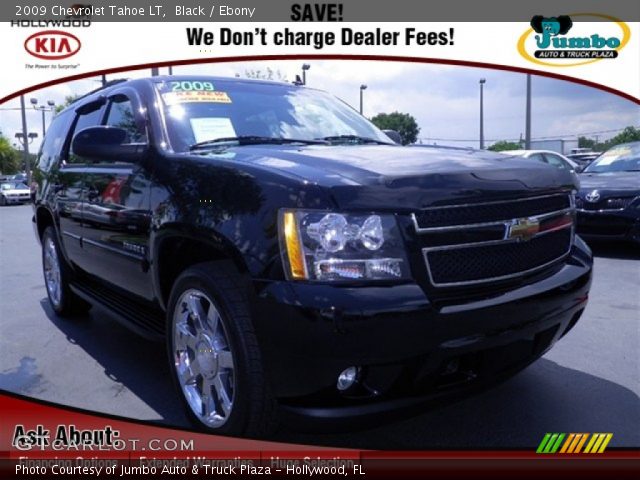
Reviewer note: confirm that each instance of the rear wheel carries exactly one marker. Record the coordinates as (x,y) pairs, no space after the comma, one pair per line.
(57,276)
(214,354)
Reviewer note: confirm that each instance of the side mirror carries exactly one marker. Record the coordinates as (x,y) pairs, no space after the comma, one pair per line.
(393,135)
(107,143)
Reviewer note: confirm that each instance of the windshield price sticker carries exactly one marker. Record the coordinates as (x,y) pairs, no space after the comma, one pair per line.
(211,127)
(177,97)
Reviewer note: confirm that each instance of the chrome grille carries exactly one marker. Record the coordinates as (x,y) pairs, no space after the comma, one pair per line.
(464,215)
(492,246)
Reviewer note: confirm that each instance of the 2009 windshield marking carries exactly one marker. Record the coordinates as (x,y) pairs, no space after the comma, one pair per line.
(189,86)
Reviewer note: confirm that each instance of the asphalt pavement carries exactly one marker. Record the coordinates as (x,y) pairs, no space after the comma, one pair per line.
(589,382)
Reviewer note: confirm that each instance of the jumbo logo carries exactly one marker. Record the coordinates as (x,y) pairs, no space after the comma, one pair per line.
(561,42)
(52,45)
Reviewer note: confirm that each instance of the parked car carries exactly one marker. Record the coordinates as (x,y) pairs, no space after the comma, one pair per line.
(584,159)
(547,156)
(293,258)
(14,192)
(609,198)
(20,177)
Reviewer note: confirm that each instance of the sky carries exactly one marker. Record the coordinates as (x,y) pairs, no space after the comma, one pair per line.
(444,99)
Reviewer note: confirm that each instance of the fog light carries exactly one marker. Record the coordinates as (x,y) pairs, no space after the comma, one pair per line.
(347,378)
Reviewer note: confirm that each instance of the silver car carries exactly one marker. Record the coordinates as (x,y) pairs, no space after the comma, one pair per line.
(14,192)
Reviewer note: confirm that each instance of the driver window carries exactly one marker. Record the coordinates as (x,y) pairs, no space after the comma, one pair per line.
(537,157)
(121,115)
(84,120)
(555,161)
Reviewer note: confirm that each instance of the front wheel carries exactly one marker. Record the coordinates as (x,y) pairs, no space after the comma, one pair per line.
(57,276)
(214,354)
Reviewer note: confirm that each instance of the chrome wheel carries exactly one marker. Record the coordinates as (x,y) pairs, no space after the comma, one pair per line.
(203,358)
(51,266)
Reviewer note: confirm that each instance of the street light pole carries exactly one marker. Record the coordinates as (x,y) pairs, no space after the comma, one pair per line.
(43,109)
(482,82)
(362,89)
(25,142)
(305,67)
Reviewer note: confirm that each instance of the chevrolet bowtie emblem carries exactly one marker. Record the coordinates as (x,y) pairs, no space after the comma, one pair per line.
(523,229)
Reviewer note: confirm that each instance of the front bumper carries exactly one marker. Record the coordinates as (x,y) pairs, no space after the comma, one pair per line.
(406,345)
(11,199)
(609,225)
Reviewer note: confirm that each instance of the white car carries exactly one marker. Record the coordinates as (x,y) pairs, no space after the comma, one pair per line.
(547,156)
(14,192)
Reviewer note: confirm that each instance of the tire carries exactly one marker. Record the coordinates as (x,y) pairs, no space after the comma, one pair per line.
(216,364)
(57,276)
(3,201)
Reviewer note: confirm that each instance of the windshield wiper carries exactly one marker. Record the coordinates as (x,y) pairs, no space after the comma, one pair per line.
(354,139)
(254,140)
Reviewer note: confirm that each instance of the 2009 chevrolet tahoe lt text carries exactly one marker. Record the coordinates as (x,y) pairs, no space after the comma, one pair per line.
(295,260)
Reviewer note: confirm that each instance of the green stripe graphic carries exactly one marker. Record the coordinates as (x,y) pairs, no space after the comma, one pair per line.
(551,443)
(544,441)
(555,448)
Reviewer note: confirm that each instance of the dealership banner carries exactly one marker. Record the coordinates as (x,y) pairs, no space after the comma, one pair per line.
(44,441)
(260,266)
(52,40)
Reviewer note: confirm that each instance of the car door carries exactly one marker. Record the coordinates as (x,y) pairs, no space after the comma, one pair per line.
(66,182)
(116,212)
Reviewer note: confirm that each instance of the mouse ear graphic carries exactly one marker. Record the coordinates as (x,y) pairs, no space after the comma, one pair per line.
(565,24)
(536,23)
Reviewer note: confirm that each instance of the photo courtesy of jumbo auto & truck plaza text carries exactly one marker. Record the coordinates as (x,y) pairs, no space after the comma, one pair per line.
(352,238)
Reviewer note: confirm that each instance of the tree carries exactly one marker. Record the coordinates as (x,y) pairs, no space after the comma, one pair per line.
(503,145)
(9,157)
(629,134)
(584,142)
(403,123)
(68,100)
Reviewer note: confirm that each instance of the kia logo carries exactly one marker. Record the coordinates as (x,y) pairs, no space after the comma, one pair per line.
(593,196)
(52,45)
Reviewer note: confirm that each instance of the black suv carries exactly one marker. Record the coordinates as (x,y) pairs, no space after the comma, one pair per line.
(294,258)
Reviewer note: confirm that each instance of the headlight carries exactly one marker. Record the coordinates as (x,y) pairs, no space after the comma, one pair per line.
(327,246)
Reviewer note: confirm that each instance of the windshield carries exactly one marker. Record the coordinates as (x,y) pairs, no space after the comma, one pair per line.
(13,186)
(204,110)
(622,158)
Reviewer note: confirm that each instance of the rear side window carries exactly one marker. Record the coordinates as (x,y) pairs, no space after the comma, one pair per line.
(54,140)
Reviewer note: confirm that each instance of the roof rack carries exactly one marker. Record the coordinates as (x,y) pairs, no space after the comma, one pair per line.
(108,84)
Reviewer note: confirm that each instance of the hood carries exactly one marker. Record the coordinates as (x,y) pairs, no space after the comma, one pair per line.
(614,181)
(395,177)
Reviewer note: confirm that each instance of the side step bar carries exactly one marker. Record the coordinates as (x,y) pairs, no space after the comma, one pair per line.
(145,321)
